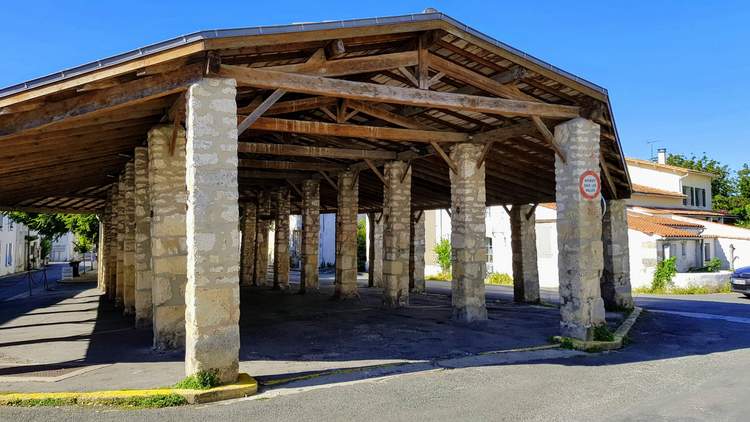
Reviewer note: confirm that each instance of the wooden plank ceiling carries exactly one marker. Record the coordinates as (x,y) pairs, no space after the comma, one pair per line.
(310,107)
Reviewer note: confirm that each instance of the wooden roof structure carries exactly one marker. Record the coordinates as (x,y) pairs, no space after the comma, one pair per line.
(313,99)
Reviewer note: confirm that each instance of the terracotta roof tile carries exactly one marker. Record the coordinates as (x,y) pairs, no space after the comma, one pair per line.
(648,190)
(664,227)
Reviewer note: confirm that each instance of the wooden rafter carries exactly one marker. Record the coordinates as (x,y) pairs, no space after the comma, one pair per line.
(262,108)
(316,85)
(271,124)
(308,151)
(318,65)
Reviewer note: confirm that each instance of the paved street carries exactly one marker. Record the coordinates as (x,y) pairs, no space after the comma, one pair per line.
(687,362)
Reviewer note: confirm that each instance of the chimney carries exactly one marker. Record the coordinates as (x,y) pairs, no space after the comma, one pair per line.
(661,156)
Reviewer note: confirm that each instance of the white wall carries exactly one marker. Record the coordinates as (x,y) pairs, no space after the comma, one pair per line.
(699,181)
(327,251)
(62,248)
(12,246)
(655,201)
(643,258)
(663,180)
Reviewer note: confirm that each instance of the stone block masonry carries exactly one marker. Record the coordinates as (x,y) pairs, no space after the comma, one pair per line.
(212,295)
(376,224)
(396,229)
(168,197)
(523,244)
(346,236)
(247,256)
(261,240)
(309,275)
(143,274)
(615,281)
(112,244)
(281,239)
(416,253)
(128,258)
(121,219)
(579,228)
(468,249)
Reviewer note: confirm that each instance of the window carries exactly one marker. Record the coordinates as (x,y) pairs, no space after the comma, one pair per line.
(706,251)
(683,245)
(488,243)
(686,192)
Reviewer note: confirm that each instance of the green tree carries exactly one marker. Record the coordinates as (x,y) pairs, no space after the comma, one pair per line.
(723,184)
(361,245)
(443,252)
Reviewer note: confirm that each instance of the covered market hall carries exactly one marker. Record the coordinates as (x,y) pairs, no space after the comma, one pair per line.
(188,150)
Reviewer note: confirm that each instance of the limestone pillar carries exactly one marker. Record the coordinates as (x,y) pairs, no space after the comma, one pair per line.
(168,197)
(370,249)
(105,250)
(261,240)
(523,245)
(346,236)
(121,219)
(112,244)
(396,240)
(309,276)
(128,258)
(579,228)
(468,248)
(281,240)
(615,281)
(143,275)
(100,256)
(212,295)
(377,253)
(248,226)
(416,253)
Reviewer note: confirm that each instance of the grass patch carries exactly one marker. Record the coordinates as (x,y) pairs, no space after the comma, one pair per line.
(441,276)
(203,380)
(603,333)
(499,279)
(689,290)
(150,402)
(566,343)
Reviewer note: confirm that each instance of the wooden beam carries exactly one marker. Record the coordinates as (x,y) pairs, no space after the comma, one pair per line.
(444,156)
(486,150)
(316,85)
(423,74)
(294,106)
(134,92)
(271,124)
(607,174)
(262,108)
(504,133)
(317,152)
(548,136)
(386,115)
(321,67)
(328,179)
(287,165)
(376,171)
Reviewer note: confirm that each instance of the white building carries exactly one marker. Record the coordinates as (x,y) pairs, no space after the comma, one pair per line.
(670,214)
(16,247)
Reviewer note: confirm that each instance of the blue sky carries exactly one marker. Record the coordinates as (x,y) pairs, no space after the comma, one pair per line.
(677,71)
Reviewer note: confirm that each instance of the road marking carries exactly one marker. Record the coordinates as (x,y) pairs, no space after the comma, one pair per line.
(699,315)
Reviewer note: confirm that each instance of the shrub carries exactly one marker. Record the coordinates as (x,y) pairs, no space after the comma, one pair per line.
(665,271)
(602,333)
(499,279)
(361,245)
(442,276)
(203,380)
(443,251)
(714,265)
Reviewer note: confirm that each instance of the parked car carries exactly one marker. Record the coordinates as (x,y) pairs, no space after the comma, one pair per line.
(741,281)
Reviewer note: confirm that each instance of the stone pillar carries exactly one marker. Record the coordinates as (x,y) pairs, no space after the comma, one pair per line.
(121,219)
(309,276)
(615,281)
(468,244)
(370,249)
(579,228)
(346,236)
(416,253)
(261,240)
(247,256)
(168,197)
(143,275)
(112,243)
(396,240)
(212,295)
(128,259)
(281,240)
(523,244)
(105,225)
(377,256)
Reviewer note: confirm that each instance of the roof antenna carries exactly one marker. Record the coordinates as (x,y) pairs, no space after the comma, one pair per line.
(652,157)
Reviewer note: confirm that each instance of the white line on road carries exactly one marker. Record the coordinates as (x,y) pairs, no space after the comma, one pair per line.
(699,315)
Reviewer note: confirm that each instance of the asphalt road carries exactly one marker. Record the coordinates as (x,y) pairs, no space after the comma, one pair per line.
(18,284)
(684,364)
